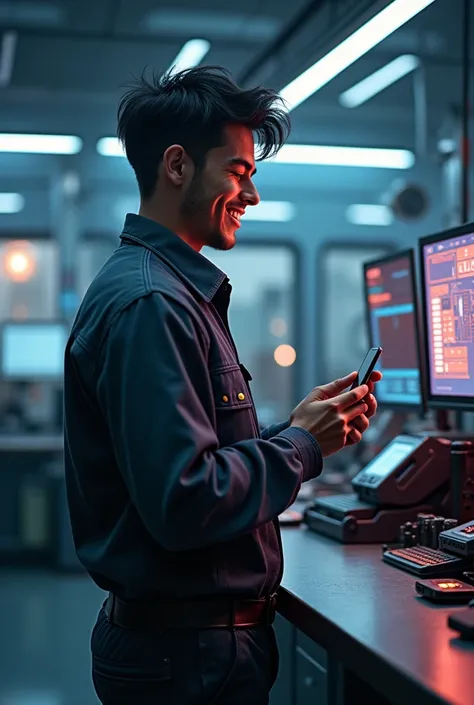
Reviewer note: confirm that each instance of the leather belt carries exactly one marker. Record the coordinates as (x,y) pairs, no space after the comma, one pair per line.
(198,614)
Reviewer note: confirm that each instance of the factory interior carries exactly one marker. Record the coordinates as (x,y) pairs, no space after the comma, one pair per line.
(363,239)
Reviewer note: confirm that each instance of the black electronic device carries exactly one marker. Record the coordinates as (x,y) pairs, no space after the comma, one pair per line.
(447,287)
(367,367)
(445,590)
(392,316)
(463,622)
(424,561)
(458,539)
(411,475)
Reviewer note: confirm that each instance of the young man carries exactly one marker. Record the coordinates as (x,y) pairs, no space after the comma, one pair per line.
(174,491)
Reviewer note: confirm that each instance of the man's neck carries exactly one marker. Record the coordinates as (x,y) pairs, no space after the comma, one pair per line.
(160,217)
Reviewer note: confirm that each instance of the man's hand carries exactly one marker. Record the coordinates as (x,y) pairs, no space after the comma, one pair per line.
(361,423)
(334,418)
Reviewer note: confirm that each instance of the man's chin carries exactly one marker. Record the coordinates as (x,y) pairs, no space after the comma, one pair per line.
(222,241)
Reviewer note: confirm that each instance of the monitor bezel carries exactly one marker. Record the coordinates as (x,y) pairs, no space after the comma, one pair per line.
(439,401)
(410,254)
(31,322)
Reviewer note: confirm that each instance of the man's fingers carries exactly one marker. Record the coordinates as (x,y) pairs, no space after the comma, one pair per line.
(354,411)
(353,437)
(361,423)
(352,397)
(371,402)
(339,385)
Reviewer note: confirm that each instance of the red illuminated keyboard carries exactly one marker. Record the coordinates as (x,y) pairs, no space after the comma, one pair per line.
(424,561)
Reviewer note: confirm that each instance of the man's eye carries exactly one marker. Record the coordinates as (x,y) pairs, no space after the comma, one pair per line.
(236,173)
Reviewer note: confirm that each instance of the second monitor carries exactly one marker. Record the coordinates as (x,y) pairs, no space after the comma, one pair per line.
(390,295)
(447,269)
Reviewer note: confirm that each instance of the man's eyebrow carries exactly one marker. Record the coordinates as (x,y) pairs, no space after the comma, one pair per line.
(244,163)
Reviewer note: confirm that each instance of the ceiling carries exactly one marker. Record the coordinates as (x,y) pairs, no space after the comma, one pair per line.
(73,59)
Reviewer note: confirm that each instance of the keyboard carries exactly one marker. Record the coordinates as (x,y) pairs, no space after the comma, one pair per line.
(424,561)
(340,505)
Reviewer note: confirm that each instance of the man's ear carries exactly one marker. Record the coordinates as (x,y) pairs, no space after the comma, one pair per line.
(176,165)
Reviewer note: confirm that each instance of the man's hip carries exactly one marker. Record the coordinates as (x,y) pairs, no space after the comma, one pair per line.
(183,666)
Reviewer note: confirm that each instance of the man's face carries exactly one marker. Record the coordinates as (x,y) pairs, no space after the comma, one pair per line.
(219,194)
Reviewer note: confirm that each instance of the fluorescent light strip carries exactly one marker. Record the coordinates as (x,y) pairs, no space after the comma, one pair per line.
(110,147)
(322,155)
(271,212)
(191,54)
(40,144)
(11,202)
(347,52)
(325,155)
(369,214)
(378,81)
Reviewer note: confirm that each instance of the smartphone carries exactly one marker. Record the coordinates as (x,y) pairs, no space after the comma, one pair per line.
(463,622)
(367,367)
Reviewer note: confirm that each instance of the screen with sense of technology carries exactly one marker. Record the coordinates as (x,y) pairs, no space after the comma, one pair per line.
(392,321)
(389,459)
(449,295)
(32,350)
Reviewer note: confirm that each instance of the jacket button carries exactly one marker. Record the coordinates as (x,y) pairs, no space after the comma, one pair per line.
(225,398)
(241,396)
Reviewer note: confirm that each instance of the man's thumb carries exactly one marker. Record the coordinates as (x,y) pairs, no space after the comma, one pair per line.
(327,391)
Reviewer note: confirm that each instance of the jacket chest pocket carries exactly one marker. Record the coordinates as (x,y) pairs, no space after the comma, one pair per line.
(233,405)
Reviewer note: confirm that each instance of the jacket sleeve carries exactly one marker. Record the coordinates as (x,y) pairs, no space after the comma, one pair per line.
(268,432)
(154,389)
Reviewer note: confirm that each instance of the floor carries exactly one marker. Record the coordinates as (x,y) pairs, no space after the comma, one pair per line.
(45,625)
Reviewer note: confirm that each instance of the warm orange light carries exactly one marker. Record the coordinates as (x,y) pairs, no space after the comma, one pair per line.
(284,355)
(19,263)
(278,327)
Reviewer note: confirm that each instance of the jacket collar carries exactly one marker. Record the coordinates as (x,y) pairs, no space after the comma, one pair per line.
(203,276)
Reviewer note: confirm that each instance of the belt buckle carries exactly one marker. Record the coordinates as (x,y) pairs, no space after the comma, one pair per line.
(271,608)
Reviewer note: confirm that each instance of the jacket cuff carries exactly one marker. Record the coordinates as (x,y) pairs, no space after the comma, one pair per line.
(273,430)
(308,448)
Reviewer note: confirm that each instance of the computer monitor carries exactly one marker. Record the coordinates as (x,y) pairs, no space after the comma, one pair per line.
(32,350)
(390,297)
(447,279)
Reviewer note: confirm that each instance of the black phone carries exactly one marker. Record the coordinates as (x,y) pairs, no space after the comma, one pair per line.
(463,622)
(367,367)
(445,590)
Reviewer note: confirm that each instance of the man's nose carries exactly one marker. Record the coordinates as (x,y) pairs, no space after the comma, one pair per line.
(250,195)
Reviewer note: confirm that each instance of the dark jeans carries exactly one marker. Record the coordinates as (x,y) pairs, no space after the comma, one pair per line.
(183,667)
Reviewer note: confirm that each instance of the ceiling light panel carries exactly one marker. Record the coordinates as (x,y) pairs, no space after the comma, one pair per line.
(213,25)
(382,25)
(40,144)
(378,81)
(190,55)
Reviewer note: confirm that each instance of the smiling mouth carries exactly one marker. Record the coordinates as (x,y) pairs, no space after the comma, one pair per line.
(235,215)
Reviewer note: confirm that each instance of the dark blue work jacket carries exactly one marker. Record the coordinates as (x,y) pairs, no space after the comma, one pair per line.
(173,490)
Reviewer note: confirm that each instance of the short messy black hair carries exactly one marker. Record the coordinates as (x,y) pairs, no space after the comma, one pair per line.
(192,108)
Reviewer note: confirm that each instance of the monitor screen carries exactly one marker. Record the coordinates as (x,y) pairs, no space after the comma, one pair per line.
(33,350)
(389,459)
(448,283)
(390,301)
